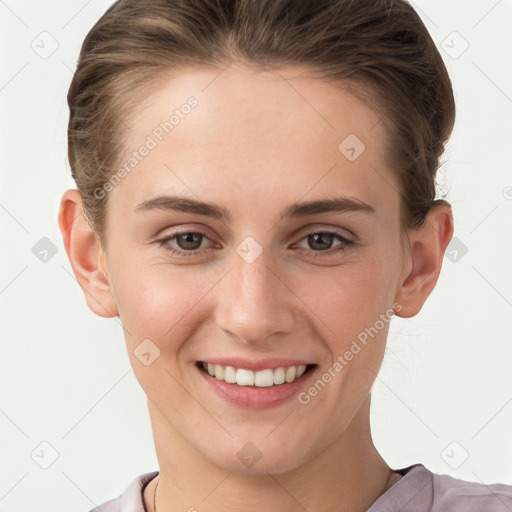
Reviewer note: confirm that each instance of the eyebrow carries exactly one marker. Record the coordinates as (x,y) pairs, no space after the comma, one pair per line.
(293,211)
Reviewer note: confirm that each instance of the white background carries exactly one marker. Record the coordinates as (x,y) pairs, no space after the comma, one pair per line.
(445,389)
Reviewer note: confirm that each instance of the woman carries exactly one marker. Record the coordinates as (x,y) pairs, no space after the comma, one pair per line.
(256,200)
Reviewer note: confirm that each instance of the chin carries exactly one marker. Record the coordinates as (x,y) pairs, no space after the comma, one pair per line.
(251,460)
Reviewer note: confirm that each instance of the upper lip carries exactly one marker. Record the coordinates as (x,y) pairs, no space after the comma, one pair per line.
(256,365)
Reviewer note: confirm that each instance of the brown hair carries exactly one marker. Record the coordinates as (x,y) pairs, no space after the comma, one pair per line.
(382,44)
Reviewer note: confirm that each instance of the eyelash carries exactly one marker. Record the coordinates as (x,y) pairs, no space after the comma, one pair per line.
(344,246)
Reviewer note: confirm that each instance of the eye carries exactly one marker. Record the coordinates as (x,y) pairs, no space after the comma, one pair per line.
(322,243)
(316,244)
(185,243)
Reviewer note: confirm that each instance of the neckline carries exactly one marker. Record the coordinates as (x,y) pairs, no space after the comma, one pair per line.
(392,497)
(414,479)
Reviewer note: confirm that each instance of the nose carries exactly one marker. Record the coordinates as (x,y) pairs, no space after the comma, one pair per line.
(254,302)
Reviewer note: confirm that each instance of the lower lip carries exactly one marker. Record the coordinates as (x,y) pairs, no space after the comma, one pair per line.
(253,397)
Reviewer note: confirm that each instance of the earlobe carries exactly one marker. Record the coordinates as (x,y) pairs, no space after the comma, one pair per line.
(427,248)
(86,256)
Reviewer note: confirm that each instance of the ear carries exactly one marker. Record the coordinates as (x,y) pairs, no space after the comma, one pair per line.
(86,256)
(425,259)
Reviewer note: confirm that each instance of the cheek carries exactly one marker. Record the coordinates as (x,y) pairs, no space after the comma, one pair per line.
(164,306)
(159,303)
(351,309)
(348,299)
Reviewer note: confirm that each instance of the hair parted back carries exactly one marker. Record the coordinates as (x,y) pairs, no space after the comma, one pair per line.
(382,44)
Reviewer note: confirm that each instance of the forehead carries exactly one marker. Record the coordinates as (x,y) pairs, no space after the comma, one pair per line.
(221,133)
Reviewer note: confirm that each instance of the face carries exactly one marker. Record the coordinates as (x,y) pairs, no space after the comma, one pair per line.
(267,274)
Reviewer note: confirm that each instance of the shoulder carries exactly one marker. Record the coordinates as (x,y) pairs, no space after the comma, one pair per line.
(453,494)
(131,499)
(420,490)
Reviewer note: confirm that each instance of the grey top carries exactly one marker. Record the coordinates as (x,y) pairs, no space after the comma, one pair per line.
(419,490)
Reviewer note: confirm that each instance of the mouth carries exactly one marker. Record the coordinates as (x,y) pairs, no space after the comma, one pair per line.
(263,378)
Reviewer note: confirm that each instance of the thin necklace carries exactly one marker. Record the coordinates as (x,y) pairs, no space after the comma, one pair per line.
(391,474)
(390,478)
(154,496)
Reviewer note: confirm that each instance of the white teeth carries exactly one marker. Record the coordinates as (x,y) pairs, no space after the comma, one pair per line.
(219,372)
(279,376)
(244,377)
(290,374)
(262,379)
(230,374)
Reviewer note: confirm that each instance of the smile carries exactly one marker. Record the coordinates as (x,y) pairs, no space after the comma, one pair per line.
(262,379)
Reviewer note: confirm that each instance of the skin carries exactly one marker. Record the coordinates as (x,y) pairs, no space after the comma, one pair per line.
(255,143)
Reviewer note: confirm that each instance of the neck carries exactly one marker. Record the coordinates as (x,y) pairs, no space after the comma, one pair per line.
(346,477)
